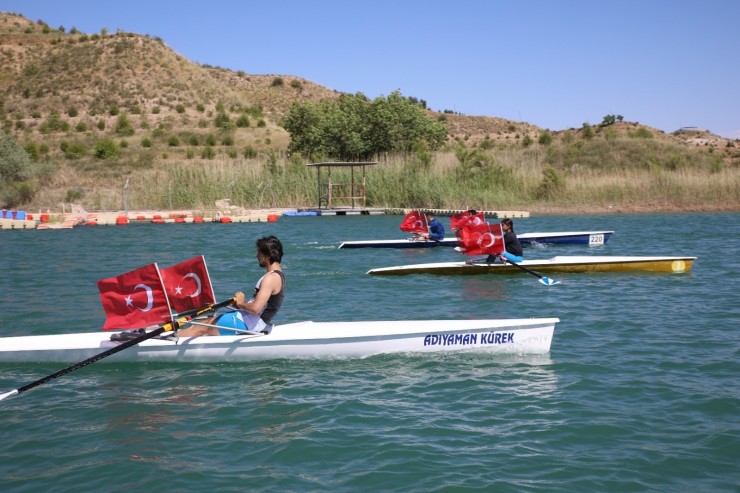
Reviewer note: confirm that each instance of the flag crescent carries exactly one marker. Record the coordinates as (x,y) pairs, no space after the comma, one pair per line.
(493,240)
(197,281)
(149,297)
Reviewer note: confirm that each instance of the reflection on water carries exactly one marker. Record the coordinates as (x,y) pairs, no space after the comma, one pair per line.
(485,288)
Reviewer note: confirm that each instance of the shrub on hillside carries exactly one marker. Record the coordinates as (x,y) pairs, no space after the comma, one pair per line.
(551,183)
(107,149)
(74,149)
(208,153)
(124,126)
(250,152)
(54,123)
(640,133)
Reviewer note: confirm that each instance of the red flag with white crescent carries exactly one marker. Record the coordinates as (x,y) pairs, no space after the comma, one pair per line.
(414,222)
(458,220)
(188,284)
(481,239)
(135,299)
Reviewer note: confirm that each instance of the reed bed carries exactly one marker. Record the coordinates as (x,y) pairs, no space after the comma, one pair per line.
(590,177)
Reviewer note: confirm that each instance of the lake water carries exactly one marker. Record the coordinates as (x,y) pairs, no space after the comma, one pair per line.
(640,392)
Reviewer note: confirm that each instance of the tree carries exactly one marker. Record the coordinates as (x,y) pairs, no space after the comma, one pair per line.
(353,127)
(15,163)
(15,167)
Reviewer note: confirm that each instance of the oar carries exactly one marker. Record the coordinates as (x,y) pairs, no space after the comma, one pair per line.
(544,280)
(167,327)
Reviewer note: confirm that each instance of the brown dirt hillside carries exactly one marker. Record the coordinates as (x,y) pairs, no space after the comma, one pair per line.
(63,92)
(86,77)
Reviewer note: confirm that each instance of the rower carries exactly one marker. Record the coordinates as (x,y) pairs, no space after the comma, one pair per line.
(256,314)
(513,249)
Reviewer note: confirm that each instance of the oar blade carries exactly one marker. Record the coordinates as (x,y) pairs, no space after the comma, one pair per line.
(547,281)
(165,327)
(8,394)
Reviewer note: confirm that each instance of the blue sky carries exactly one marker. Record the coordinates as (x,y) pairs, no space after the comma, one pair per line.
(556,64)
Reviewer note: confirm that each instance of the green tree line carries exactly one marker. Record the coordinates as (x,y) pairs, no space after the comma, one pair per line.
(354,128)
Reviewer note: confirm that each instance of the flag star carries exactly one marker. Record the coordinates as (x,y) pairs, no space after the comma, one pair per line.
(129,300)
(178,290)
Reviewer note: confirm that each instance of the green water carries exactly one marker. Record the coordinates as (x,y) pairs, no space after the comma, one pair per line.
(639,393)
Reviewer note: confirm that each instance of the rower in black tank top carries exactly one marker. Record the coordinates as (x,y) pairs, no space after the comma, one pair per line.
(275,301)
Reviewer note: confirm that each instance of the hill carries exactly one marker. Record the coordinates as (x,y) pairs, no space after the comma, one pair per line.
(61,93)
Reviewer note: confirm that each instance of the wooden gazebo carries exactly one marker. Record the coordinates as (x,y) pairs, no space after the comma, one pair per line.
(353,192)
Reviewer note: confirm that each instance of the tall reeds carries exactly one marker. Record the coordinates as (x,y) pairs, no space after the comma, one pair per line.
(578,176)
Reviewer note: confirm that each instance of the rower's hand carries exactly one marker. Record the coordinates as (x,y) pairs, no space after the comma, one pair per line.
(239,298)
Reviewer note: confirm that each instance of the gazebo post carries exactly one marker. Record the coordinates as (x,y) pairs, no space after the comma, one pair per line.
(352,185)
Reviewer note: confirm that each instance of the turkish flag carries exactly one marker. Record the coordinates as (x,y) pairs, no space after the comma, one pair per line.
(458,220)
(135,299)
(414,222)
(188,285)
(481,239)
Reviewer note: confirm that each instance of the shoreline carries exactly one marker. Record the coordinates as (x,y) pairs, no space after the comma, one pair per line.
(67,220)
(586,210)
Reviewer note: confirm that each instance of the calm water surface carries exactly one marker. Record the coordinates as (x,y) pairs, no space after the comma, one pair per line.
(640,392)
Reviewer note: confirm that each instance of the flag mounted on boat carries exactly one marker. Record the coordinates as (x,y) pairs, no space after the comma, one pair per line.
(461,218)
(135,299)
(481,239)
(188,284)
(414,222)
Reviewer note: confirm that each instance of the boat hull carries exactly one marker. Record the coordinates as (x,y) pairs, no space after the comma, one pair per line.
(304,340)
(590,238)
(566,264)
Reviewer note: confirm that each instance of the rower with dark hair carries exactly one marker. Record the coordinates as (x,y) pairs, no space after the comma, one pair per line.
(512,248)
(436,232)
(256,314)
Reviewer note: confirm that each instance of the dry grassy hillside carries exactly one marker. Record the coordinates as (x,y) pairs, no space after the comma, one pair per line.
(46,71)
(83,77)
(63,92)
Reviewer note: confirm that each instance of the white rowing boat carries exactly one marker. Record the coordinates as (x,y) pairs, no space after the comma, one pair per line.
(303,340)
(590,238)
